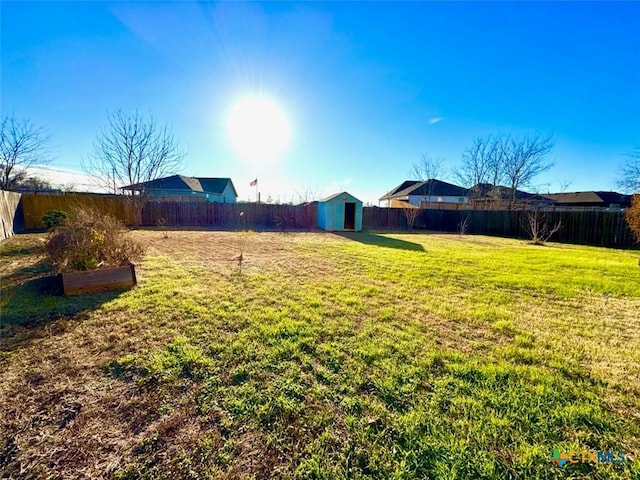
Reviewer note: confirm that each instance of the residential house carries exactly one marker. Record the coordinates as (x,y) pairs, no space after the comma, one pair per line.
(589,200)
(498,197)
(430,193)
(220,190)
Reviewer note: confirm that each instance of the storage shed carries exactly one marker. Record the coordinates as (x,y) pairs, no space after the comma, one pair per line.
(340,212)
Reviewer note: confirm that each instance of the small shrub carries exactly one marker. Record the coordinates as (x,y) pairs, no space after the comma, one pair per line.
(54,218)
(632,215)
(463,226)
(538,227)
(411,212)
(89,239)
(284,220)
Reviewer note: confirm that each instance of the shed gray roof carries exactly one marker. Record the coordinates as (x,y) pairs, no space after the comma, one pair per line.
(335,195)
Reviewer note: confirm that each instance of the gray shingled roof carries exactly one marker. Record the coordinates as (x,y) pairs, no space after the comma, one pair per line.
(500,191)
(403,186)
(430,187)
(592,197)
(216,185)
(182,182)
(331,197)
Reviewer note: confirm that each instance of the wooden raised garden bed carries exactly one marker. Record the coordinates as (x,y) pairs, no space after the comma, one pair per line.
(99,280)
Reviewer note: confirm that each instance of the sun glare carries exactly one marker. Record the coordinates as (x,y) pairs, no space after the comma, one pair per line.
(259,130)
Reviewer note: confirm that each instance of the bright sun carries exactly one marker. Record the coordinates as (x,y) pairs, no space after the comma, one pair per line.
(259,129)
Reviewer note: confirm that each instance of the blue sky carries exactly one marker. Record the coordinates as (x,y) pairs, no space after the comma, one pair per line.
(367,87)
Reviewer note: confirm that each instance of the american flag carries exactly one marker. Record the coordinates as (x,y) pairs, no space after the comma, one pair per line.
(254,183)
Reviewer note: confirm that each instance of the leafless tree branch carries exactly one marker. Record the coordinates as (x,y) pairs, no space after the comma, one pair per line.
(131,150)
(306,193)
(22,145)
(411,213)
(481,163)
(524,159)
(630,181)
(427,168)
(538,228)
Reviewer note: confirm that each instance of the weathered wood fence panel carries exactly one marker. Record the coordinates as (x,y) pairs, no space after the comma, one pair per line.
(9,202)
(175,213)
(230,215)
(36,205)
(607,229)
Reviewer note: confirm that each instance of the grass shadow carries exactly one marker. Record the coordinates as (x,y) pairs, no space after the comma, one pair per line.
(368,238)
(20,251)
(35,302)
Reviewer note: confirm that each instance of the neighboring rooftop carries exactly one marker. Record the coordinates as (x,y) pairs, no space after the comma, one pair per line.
(403,186)
(592,198)
(502,192)
(429,187)
(182,182)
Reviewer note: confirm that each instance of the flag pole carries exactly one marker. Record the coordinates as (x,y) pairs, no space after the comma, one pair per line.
(254,183)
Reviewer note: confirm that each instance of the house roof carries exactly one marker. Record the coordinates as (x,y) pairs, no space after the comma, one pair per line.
(430,187)
(182,182)
(216,185)
(403,186)
(501,192)
(174,182)
(592,197)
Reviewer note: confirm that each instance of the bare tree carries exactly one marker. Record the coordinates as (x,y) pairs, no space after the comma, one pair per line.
(523,160)
(538,227)
(564,185)
(463,225)
(130,151)
(22,145)
(307,193)
(411,213)
(69,187)
(630,181)
(478,163)
(482,166)
(427,168)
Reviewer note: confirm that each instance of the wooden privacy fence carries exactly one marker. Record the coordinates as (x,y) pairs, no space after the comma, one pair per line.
(607,229)
(230,215)
(175,213)
(9,202)
(598,228)
(36,205)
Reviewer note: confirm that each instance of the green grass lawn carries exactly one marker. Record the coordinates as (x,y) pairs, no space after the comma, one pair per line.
(324,356)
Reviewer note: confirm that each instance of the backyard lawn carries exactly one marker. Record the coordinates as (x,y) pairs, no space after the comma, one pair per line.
(324,356)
